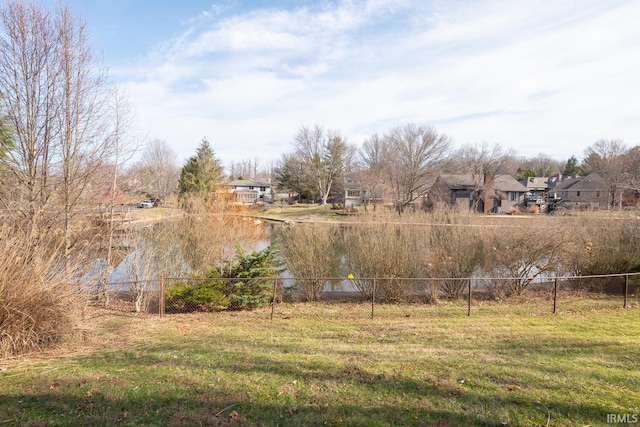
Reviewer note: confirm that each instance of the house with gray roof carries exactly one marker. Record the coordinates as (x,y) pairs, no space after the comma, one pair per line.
(478,193)
(589,191)
(248,191)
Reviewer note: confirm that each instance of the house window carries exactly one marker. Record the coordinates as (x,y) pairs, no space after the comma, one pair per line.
(597,194)
(577,194)
(263,188)
(250,188)
(353,193)
(512,196)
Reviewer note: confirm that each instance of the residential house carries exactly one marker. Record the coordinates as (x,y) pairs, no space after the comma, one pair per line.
(483,194)
(589,191)
(353,192)
(536,185)
(249,191)
(358,190)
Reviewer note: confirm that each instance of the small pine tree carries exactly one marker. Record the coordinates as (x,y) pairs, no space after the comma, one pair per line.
(201,174)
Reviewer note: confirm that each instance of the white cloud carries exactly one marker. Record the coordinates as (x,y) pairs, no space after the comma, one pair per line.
(539,76)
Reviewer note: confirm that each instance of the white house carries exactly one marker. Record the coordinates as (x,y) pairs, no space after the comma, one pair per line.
(251,191)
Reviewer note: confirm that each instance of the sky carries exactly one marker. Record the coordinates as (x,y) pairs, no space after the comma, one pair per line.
(537,76)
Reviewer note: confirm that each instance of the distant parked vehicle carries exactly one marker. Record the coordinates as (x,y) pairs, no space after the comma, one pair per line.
(145,204)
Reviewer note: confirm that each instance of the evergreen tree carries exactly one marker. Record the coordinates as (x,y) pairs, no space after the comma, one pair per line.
(201,174)
(572,167)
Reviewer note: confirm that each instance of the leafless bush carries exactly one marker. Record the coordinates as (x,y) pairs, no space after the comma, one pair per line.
(37,304)
(603,246)
(391,252)
(209,241)
(456,252)
(311,251)
(524,254)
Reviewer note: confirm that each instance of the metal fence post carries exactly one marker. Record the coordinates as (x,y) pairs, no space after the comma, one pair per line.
(161,297)
(273,300)
(555,293)
(373,297)
(626,289)
(469,296)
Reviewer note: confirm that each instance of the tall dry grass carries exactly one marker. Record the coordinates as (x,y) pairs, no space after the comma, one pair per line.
(38,306)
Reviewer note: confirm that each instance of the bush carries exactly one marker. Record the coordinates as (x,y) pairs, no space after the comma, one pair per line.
(244,284)
(205,296)
(454,253)
(395,253)
(604,246)
(312,251)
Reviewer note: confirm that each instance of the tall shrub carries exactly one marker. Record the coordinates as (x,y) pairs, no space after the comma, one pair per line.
(522,255)
(456,252)
(395,253)
(604,246)
(312,254)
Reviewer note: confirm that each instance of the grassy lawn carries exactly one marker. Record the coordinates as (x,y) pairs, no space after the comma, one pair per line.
(330,364)
(301,211)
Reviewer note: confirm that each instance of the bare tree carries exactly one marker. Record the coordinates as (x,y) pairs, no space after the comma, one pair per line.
(157,170)
(540,165)
(371,175)
(82,144)
(413,156)
(607,158)
(483,162)
(247,169)
(323,153)
(120,132)
(52,94)
(29,70)
(633,166)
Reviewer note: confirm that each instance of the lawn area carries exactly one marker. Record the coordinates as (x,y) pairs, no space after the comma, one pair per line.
(331,364)
(302,212)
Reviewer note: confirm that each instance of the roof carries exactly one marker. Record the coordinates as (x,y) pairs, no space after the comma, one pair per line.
(508,183)
(536,182)
(467,182)
(457,181)
(591,181)
(249,183)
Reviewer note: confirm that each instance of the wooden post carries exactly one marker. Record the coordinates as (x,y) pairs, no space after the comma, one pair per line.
(555,293)
(469,296)
(626,289)
(373,297)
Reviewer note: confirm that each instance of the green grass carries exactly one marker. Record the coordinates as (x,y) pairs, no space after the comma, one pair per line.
(297,211)
(331,364)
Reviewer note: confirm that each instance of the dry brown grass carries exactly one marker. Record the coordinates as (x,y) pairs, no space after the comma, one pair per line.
(37,306)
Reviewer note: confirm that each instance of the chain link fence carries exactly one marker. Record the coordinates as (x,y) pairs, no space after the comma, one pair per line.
(187,295)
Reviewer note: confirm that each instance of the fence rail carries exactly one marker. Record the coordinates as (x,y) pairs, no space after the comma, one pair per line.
(182,294)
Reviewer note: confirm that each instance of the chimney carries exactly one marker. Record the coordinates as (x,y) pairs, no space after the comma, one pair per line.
(488,194)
